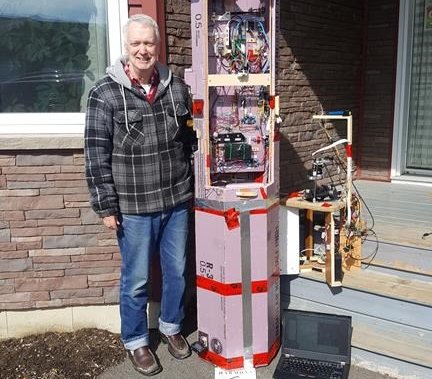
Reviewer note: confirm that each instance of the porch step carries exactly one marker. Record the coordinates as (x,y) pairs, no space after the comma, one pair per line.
(400,212)
(391,314)
(398,258)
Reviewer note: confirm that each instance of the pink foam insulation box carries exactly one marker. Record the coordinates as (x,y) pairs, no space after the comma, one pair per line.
(222,301)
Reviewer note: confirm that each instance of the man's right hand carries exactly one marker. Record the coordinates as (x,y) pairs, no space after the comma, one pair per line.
(111,222)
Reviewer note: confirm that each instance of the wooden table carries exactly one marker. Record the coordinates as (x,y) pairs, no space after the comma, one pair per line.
(333,272)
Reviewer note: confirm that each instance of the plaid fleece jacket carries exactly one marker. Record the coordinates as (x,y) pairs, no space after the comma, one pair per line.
(135,151)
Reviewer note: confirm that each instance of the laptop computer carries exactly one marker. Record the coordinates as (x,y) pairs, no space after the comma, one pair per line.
(314,345)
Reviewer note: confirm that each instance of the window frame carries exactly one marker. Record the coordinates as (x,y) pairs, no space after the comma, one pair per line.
(68,123)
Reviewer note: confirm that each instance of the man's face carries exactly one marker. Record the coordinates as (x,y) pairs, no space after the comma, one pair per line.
(142,48)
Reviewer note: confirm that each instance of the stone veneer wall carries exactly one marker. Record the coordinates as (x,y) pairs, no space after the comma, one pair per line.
(54,251)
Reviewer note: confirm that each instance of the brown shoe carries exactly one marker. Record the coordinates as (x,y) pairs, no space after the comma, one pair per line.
(144,361)
(177,345)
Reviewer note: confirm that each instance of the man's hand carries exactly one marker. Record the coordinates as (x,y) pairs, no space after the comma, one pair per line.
(111,222)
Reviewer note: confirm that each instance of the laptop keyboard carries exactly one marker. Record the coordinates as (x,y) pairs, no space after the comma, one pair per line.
(310,368)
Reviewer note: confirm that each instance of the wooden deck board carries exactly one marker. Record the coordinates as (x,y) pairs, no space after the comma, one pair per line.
(399,258)
(410,290)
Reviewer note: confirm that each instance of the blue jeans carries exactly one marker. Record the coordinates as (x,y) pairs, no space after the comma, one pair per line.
(140,237)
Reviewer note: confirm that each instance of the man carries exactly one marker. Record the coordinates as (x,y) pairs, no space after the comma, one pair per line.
(139,178)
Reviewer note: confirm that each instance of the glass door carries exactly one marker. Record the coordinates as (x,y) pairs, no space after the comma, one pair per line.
(418,159)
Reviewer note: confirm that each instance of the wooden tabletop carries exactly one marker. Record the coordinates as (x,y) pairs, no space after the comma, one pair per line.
(319,206)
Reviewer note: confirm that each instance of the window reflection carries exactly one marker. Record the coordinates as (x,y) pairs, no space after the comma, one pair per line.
(51,52)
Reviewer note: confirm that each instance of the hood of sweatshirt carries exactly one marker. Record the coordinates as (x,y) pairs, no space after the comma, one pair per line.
(117,73)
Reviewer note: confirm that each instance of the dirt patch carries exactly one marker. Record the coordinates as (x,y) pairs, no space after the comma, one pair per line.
(82,354)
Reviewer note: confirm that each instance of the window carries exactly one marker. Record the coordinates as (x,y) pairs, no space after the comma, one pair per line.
(51,53)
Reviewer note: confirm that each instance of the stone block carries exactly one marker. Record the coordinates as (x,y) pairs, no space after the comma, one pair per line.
(48,304)
(107,242)
(13,254)
(83,301)
(49,284)
(86,229)
(16,306)
(76,197)
(30,245)
(104,277)
(65,176)
(39,231)
(77,204)
(23,224)
(32,170)
(56,252)
(5,235)
(13,265)
(60,191)
(102,249)
(15,297)
(12,215)
(51,213)
(6,288)
(53,266)
(69,183)
(89,270)
(25,177)
(7,161)
(53,242)
(59,222)
(76,293)
(48,274)
(19,193)
(7,246)
(60,259)
(99,264)
(111,294)
(70,169)
(89,217)
(43,160)
(92,257)
(32,203)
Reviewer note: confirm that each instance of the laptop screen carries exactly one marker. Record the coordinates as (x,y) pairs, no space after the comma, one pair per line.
(318,333)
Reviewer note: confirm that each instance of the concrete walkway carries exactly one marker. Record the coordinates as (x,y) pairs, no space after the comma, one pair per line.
(195,368)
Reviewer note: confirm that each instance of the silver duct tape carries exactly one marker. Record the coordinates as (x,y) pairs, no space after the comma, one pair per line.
(246,285)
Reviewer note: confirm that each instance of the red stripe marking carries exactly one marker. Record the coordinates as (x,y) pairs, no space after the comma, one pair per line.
(263,193)
(259,179)
(260,286)
(231,289)
(260,359)
(263,210)
(223,213)
(224,289)
(218,360)
(348,149)
(264,359)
